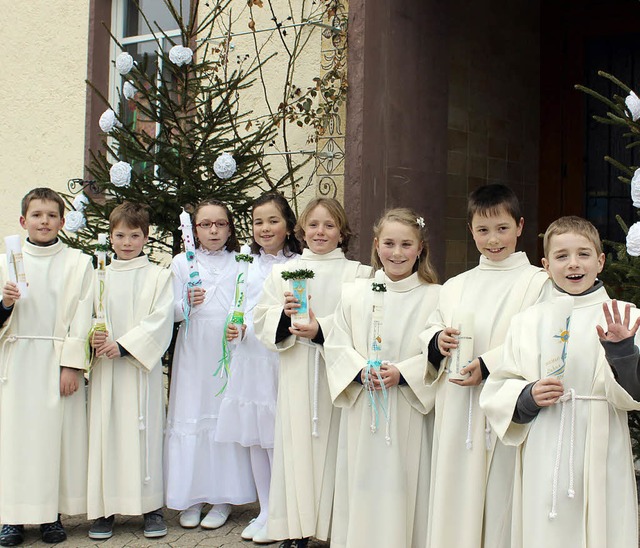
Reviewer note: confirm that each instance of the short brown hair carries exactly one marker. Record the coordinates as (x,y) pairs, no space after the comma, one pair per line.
(131,215)
(408,217)
(44,194)
(338,214)
(575,225)
(490,199)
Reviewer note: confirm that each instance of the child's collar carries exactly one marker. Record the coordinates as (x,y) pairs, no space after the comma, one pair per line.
(52,242)
(596,285)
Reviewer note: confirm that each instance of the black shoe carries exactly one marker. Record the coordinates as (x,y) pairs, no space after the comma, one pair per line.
(53,532)
(154,525)
(102,528)
(286,544)
(300,543)
(11,535)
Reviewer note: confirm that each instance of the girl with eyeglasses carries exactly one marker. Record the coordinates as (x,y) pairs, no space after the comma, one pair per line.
(193,458)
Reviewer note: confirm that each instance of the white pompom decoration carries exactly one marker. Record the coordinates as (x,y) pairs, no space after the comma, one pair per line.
(179,55)
(75,221)
(635,188)
(80,202)
(108,121)
(633,240)
(120,174)
(129,90)
(225,166)
(124,63)
(633,104)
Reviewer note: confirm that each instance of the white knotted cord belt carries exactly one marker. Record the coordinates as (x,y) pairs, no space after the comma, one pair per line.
(571,396)
(14,338)
(316,377)
(469,442)
(143,415)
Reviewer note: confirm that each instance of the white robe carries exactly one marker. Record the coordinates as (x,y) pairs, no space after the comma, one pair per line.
(43,436)
(196,466)
(303,473)
(603,512)
(382,491)
(470,499)
(126,395)
(248,408)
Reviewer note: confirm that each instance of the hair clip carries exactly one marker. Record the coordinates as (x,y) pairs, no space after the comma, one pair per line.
(420,222)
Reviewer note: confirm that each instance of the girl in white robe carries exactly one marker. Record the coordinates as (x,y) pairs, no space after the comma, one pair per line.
(195,463)
(248,409)
(303,473)
(382,478)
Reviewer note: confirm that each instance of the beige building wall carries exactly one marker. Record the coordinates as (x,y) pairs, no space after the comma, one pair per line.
(42,99)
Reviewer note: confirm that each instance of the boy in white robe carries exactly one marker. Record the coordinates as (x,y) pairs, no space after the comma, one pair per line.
(568,377)
(472,473)
(43,430)
(126,393)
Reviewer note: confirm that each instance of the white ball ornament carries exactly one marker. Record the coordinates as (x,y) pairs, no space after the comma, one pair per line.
(120,174)
(108,121)
(80,202)
(75,221)
(179,55)
(633,104)
(633,240)
(124,63)
(225,166)
(129,90)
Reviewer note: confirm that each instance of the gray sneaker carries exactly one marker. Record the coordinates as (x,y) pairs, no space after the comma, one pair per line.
(102,528)
(154,525)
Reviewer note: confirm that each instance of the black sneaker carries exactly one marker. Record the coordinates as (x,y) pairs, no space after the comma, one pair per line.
(53,532)
(286,544)
(154,525)
(102,528)
(301,542)
(11,535)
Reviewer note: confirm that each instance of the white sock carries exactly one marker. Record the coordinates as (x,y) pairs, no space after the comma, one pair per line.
(261,466)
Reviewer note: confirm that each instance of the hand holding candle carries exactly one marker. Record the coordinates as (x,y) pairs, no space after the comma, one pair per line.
(15,264)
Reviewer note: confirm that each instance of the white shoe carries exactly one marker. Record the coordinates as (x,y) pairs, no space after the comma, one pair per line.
(190,517)
(261,536)
(251,529)
(216,517)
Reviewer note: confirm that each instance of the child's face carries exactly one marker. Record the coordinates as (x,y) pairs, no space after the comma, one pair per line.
(496,235)
(269,228)
(127,242)
(398,248)
(42,221)
(212,227)
(572,262)
(321,231)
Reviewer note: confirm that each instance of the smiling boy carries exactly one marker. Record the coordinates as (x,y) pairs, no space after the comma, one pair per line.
(569,375)
(472,472)
(43,467)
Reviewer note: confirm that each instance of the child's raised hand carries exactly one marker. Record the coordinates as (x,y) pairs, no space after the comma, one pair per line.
(10,294)
(69,381)
(547,391)
(475,377)
(98,338)
(196,295)
(291,304)
(233,332)
(447,340)
(617,328)
(306,330)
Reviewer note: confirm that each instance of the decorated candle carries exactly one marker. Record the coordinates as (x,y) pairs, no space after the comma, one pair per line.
(556,329)
(243,259)
(15,264)
(463,355)
(376,318)
(101,254)
(190,249)
(299,286)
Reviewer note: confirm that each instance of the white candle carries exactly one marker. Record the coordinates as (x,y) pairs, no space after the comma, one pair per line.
(463,355)
(15,264)
(189,248)
(376,319)
(101,273)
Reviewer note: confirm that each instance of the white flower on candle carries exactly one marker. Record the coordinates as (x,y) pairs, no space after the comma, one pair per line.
(108,121)
(635,188)
(129,90)
(633,240)
(225,166)
(75,221)
(124,63)
(179,55)
(633,104)
(120,174)
(80,202)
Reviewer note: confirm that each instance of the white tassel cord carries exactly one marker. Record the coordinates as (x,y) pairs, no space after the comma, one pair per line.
(13,338)
(143,413)
(316,378)
(569,396)
(469,441)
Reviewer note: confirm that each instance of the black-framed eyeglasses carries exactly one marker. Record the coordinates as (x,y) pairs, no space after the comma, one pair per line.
(206,225)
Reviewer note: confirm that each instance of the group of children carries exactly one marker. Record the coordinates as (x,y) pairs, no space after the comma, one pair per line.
(487,412)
